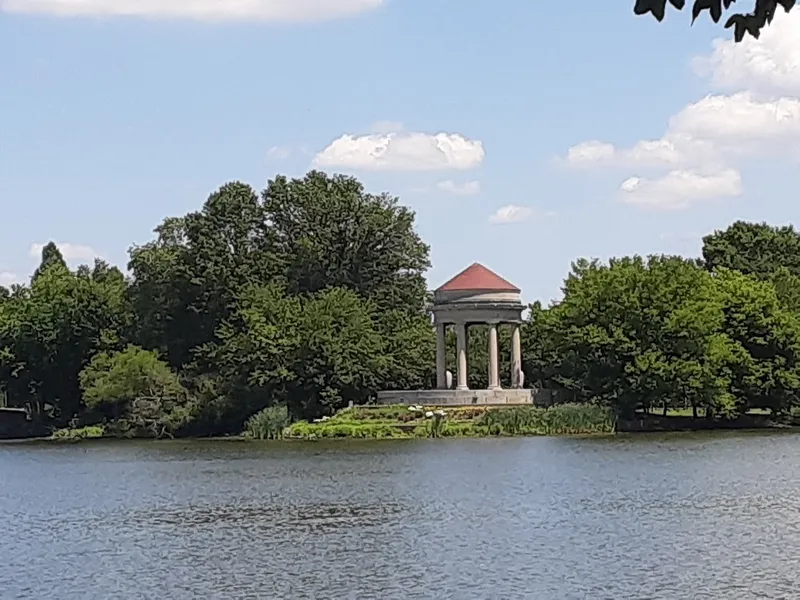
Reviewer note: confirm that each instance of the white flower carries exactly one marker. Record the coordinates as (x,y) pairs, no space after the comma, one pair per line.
(429,414)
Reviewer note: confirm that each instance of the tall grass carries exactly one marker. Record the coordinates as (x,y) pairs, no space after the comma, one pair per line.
(562,419)
(267,424)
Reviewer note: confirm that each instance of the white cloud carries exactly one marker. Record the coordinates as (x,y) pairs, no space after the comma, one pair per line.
(201,10)
(8,279)
(591,152)
(278,153)
(770,63)
(512,213)
(70,252)
(674,149)
(468,188)
(402,152)
(679,189)
(734,123)
(706,140)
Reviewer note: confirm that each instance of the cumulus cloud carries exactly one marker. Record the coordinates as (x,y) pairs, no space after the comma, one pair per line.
(398,151)
(201,10)
(705,140)
(512,213)
(679,189)
(770,64)
(70,252)
(468,188)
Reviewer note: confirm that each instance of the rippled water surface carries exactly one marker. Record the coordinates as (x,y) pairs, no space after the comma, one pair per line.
(675,517)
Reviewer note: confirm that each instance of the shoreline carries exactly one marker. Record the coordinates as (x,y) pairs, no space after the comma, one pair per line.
(400,422)
(241,439)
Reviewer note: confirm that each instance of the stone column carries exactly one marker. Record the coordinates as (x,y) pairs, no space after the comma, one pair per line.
(441,357)
(516,358)
(461,355)
(494,369)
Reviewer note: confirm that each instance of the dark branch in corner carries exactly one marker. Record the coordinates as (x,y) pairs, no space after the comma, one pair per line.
(742,23)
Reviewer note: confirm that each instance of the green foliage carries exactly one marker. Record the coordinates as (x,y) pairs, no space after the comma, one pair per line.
(435,424)
(51,258)
(239,291)
(50,330)
(314,353)
(663,332)
(565,419)
(137,391)
(376,431)
(399,422)
(268,424)
(753,249)
(76,435)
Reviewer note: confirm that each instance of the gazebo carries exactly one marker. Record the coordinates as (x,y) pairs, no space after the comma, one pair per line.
(476,296)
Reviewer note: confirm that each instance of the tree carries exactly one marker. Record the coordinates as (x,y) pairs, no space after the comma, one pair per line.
(339,356)
(186,281)
(767,374)
(753,249)
(253,354)
(787,288)
(49,332)
(742,23)
(639,334)
(51,257)
(330,233)
(136,391)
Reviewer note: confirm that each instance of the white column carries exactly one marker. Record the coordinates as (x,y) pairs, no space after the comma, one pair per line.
(494,369)
(441,357)
(461,354)
(516,358)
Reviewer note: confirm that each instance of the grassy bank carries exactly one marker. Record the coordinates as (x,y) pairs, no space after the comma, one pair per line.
(402,422)
(79,434)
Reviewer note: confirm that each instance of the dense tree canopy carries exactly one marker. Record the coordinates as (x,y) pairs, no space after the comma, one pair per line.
(312,294)
(751,23)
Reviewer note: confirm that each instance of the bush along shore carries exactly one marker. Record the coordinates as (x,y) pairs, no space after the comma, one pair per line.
(371,422)
(410,422)
(404,422)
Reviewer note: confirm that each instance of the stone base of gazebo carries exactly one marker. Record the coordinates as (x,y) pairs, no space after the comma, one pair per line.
(456,397)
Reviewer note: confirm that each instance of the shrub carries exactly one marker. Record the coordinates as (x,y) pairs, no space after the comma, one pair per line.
(76,435)
(268,424)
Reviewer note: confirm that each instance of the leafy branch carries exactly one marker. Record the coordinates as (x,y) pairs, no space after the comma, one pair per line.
(742,23)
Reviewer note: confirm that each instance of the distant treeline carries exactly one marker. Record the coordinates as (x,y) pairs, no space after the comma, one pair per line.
(312,294)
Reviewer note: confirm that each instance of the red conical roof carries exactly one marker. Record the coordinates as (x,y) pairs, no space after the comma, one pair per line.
(478,277)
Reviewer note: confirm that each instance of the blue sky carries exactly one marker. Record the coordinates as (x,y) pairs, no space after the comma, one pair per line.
(512,129)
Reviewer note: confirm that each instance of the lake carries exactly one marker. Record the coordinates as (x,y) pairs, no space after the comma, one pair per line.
(649,516)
